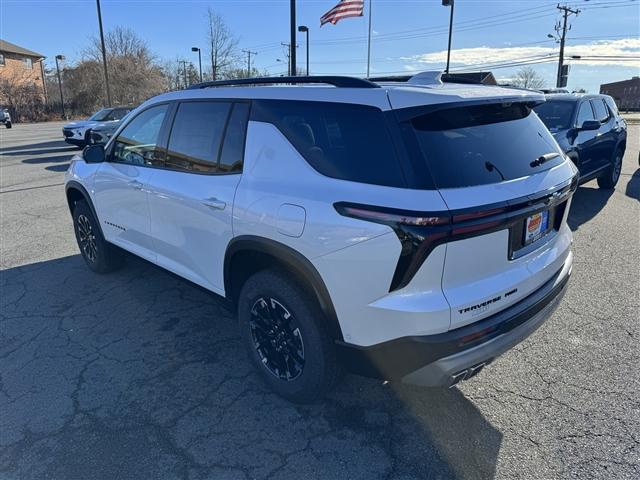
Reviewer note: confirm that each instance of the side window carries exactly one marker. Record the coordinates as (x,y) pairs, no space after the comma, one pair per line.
(196,136)
(612,105)
(585,113)
(137,144)
(233,148)
(116,114)
(339,140)
(600,109)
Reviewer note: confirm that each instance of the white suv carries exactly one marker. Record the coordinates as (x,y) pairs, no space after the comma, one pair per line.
(408,230)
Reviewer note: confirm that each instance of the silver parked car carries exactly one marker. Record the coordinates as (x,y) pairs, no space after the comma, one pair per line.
(79,133)
(102,132)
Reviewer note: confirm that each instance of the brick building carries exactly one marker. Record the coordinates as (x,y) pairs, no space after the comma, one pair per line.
(626,93)
(21,66)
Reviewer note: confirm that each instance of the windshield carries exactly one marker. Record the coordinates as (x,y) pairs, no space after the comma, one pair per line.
(484,144)
(100,115)
(556,115)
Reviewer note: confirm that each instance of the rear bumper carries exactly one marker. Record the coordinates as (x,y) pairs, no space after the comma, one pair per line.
(445,359)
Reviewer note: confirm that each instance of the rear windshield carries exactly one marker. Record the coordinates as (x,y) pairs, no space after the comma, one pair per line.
(484,144)
(556,115)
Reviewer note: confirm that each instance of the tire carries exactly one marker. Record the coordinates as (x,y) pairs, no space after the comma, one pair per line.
(99,255)
(8,125)
(265,301)
(611,175)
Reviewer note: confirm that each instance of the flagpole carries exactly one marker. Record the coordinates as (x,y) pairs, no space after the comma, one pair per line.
(369,44)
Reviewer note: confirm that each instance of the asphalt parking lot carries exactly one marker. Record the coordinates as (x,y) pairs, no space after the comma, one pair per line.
(141,375)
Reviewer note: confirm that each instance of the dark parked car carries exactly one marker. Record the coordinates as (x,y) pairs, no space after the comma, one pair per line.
(591,132)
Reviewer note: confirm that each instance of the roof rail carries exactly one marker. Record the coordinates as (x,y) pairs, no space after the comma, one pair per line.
(336,81)
(445,77)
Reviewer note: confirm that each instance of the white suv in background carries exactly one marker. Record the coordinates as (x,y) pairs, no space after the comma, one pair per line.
(407,230)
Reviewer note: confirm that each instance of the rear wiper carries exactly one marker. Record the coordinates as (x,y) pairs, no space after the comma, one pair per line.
(544,158)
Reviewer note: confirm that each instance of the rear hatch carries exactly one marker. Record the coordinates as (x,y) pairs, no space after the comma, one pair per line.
(507,186)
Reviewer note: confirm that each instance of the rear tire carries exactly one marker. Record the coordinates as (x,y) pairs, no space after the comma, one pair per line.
(286,339)
(8,125)
(611,175)
(99,255)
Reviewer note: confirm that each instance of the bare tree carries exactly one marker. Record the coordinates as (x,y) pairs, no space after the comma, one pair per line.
(134,73)
(22,95)
(527,77)
(223,45)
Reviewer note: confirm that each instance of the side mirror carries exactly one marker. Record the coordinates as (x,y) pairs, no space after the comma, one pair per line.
(590,125)
(93,154)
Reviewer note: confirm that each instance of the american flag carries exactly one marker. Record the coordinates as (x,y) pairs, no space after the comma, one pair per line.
(344,9)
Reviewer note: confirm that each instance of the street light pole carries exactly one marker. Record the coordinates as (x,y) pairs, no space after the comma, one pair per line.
(60,57)
(294,70)
(196,49)
(104,56)
(449,3)
(305,29)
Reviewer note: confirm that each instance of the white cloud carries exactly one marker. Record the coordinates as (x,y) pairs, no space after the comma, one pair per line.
(484,55)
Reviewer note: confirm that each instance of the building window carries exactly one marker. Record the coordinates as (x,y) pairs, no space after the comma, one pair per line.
(2,59)
(28,63)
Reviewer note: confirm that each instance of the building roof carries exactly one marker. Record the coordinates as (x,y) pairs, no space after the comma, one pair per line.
(11,48)
(621,83)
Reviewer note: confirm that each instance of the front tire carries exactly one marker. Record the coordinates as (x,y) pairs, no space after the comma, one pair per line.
(8,125)
(286,339)
(611,175)
(99,255)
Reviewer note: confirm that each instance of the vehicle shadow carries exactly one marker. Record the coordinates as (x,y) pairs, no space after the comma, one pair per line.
(51,159)
(63,167)
(633,186)
(44,151)
(586,204)
(36,148)
(139,374)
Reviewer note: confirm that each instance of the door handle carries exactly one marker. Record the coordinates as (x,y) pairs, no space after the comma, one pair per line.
(214,203)
(136,184)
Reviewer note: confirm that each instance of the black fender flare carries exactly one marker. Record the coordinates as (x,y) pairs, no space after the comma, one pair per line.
(74,185)
(292,260)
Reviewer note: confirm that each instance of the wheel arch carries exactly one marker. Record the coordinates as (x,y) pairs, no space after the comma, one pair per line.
(75,192)
(248,254)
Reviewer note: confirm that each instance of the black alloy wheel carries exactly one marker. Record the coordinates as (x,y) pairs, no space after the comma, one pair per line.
(277,339)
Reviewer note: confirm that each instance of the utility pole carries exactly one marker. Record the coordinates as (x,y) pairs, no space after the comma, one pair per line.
(566,12)
(104,55)
(288,54)
(184,71)
(249,53)
(293,71)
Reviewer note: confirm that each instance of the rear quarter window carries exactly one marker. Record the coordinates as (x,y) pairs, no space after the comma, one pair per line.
(344,141)
(483,144)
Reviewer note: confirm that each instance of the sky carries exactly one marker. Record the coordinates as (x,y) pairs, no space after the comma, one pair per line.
(408,36)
